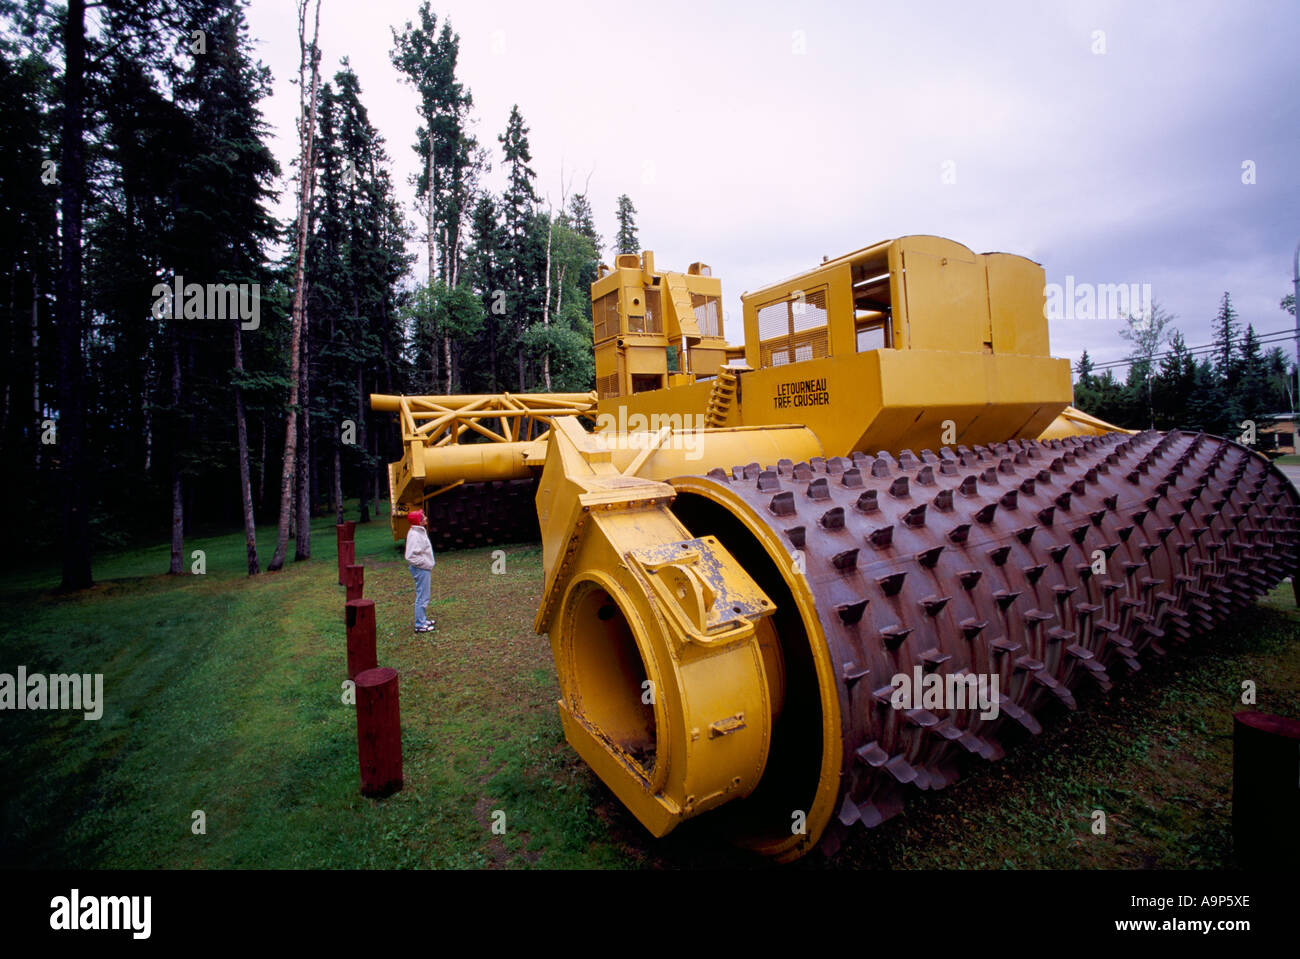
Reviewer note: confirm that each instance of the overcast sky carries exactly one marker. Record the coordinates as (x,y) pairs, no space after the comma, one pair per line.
(760,136)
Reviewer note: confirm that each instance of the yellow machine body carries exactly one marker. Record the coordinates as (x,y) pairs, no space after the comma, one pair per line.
(654,330)
(742,548)
(910,342)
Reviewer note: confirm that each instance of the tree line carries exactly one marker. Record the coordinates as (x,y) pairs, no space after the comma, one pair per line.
(1239,378)
(177,358)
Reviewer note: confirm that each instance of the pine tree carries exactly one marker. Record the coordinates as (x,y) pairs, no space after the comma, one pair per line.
(1103,398)
(1226,331)
(1280,378)
(1175,382)
(1084,370)
(1251,388)
(584,221)
(70,321)
(28,255)
(524,241)
(626,240)
(149,32)
(329,286)
(226,182)
(450,160)
(1227,365)
(367,207)
(486,269)
(1205,407)
(584,224)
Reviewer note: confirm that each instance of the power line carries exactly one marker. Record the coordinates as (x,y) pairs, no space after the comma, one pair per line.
(1263,339)
(1200,351)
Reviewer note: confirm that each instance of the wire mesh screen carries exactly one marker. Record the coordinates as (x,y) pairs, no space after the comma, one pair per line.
(654,322)
(604,316)
(793,329)
(708,314)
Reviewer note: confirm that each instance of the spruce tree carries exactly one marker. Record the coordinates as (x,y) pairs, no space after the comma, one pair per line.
(1226,330)
(226,184)
(1084,370)
(1205,407)
(28,258)
(626,240)
(524,261)
(1251,387)
(1174,384)
(426,55)
(486,272)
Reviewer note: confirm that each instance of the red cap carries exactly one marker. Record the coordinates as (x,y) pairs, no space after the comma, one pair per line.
(415,517)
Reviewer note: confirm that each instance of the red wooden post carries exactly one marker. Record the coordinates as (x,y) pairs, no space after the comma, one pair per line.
(361,636)
(1266,790)
(354,578)
(344,535)
(379,732)
(347,556)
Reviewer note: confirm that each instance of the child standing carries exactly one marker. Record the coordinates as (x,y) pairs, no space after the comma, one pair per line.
(419,553)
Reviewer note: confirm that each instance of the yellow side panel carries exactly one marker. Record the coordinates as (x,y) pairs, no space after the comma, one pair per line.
(947,296)
(606,359)
(647,359)
(839,307)
(634,297)
(706,362)
(1016,288)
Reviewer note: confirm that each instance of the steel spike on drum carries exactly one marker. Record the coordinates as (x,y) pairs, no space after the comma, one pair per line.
(1053,566)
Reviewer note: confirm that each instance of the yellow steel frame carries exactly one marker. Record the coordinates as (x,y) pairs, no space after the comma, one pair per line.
(442,420)
(435,431)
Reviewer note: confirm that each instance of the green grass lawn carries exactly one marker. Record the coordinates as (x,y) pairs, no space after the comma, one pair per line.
(223,694)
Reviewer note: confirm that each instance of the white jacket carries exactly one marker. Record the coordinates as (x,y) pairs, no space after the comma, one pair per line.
(419,551)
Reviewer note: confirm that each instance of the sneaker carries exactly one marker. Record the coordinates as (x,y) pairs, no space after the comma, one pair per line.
(427,628)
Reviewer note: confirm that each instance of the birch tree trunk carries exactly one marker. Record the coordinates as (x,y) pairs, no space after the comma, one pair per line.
(546,307)
(302,543)
(430,215)
(306,185)
(430,221)
(245,484)
(446,362)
